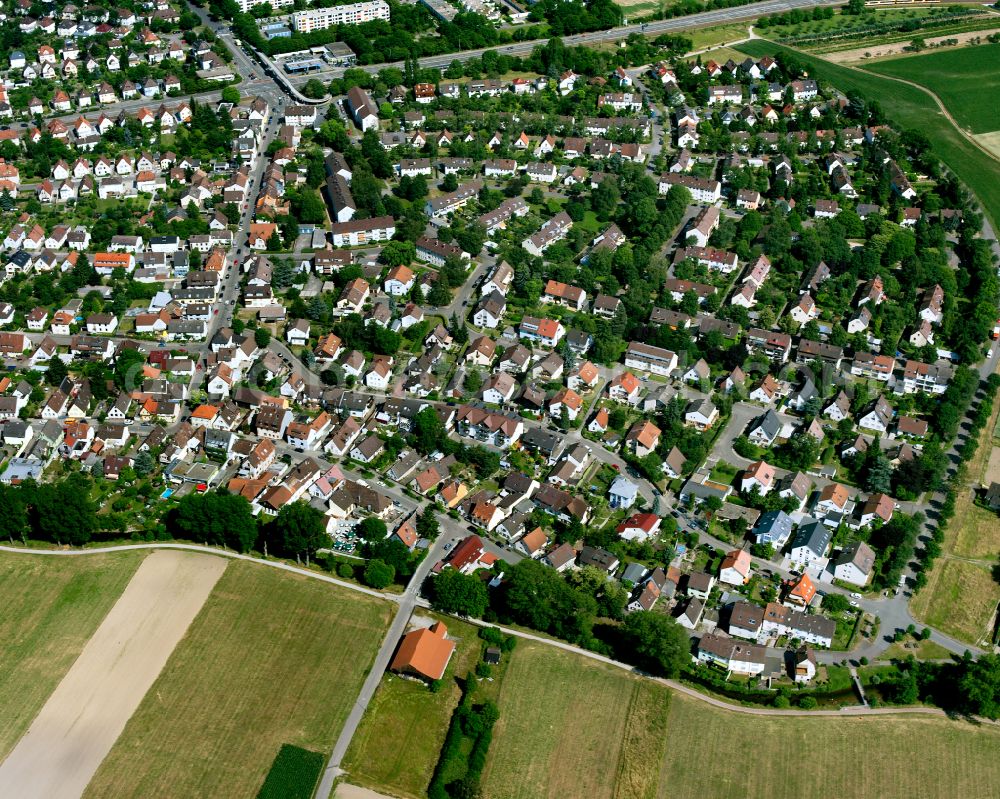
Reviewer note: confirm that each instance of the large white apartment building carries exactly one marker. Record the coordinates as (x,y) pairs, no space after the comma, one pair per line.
(317,19)
(246,5)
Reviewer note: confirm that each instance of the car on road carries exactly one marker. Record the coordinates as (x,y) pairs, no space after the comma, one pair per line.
(854,603)
(856,595)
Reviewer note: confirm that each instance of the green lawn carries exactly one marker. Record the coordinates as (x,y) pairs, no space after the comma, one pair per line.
(396,747)
(271,659)
(966,79)
(908,108)
(51,607)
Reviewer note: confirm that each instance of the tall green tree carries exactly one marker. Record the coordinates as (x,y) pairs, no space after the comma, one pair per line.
(300,529)
(454,592)
(657,643)
(215,518)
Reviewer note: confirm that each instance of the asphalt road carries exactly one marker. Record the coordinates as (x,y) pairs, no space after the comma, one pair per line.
(722,16)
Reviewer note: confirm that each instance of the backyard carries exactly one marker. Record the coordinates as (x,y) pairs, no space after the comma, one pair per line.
(396,747)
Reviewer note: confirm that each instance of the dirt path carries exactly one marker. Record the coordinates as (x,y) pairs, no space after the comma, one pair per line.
(84,716)
(896,48)
(345,791)
(937,100)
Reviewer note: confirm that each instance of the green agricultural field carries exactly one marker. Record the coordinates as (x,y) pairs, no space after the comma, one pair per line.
(966,79)
(51,607)
(572,727)
(396,747)
(271,659)
(909,108)
(858,758)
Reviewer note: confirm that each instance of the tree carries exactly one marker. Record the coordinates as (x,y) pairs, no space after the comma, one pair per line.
(878,470)
(314,89)
(214,518)
(473,381)
(439,295)
(56,372)
(372,529)
(262,337)
(143,464)
(979,686)
(835,603)
(378,574)
(230,94)
(398,253)
(300,529)
(454,592)
(427,523)
(128,369)
(657,642)
(427,430)
(539,597)
(13,513)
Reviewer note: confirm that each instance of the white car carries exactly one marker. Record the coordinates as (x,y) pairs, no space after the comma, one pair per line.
(854,603)
(856,595)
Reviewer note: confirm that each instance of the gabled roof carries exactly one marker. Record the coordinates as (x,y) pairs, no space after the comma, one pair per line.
(425,652)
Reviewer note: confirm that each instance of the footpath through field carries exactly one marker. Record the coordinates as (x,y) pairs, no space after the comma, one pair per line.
(410,601)
(82,719)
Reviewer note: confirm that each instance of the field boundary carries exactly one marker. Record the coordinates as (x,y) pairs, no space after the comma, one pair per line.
(274,564)
(858,710)
(937,100)
(84,716)
(853,710)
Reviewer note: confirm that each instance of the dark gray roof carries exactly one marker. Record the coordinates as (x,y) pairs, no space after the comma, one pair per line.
(769,423)
(815,535)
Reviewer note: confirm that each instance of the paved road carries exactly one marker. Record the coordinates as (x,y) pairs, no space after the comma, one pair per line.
(407,603)
(746,13)
(722,704)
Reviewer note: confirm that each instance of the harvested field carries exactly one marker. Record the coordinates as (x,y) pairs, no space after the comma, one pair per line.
(876,51)
(46,623)
(272,659)
(992,473)
(991,141)
(959,599)
(84,716)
